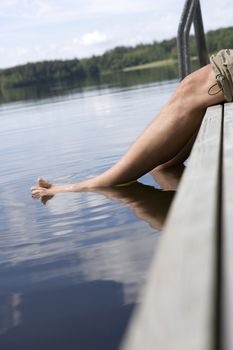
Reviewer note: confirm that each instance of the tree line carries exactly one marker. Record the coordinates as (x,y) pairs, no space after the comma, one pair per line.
(113,60)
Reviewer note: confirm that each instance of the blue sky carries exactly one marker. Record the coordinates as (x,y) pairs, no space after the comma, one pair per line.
(34,30)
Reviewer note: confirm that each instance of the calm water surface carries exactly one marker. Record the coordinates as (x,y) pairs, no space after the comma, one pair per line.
(71,270)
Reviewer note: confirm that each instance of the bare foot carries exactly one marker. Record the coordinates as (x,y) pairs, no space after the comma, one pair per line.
(44,190)
(44,183)
(168,178)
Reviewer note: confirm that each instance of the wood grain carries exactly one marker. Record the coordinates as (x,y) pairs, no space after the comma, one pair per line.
(227,235)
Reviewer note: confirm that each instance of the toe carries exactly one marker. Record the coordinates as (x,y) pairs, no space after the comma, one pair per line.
(43,183)
(40,191)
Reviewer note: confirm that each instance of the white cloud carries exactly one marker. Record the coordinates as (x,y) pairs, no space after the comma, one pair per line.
(22,51)
(94,38)
(81,28)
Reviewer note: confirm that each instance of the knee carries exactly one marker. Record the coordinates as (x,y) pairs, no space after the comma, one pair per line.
(186,87)
(194,88)
(184,93)
(190,89)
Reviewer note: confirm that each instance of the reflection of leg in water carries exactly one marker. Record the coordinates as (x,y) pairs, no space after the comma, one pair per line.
(164,139)
(147,202)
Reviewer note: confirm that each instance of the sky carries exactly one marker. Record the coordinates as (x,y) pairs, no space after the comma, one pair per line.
(36,30)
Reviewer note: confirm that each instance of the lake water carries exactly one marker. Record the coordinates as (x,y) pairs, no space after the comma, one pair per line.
(72,270)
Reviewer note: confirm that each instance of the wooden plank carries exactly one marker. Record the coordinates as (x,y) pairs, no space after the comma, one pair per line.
(227,239)
(178,308)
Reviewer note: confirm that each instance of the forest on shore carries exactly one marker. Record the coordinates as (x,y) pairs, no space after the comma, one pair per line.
(117,59)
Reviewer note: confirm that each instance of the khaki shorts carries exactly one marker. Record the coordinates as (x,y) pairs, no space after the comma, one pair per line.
(222,64)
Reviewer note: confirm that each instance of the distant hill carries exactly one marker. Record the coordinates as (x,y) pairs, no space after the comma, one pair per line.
(116,59)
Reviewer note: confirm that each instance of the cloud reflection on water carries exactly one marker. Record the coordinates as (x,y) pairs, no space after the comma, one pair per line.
(92,242)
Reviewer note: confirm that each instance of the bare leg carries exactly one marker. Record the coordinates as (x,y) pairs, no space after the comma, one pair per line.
(181,156)
(161,141)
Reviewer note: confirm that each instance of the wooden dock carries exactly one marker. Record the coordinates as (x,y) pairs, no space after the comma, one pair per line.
(188,299)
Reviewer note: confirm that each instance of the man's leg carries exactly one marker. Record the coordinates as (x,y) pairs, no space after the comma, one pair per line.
(182,155)
(161,141)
